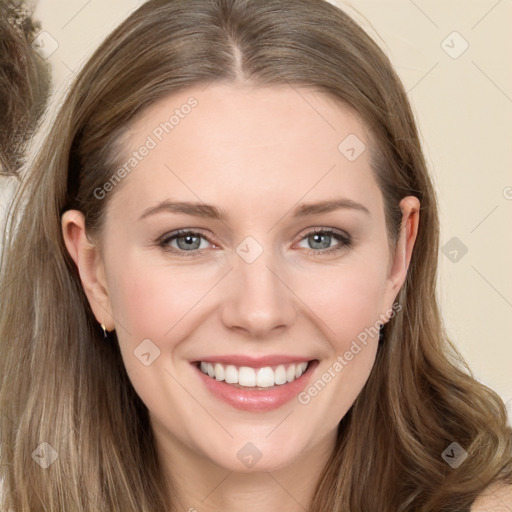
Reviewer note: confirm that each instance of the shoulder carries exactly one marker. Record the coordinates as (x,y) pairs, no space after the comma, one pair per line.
(496,498)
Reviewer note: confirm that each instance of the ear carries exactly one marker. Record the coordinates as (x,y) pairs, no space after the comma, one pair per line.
(89,264)
(401,258)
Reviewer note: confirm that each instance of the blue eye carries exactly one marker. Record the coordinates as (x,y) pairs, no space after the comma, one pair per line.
(189,243)
(321,239)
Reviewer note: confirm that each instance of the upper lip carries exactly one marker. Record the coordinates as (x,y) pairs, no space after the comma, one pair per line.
(254,362)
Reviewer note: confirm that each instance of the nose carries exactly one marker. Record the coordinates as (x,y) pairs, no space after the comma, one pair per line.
(257,299)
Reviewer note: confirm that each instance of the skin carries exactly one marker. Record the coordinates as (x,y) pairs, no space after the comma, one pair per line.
(256,153)
(495,498)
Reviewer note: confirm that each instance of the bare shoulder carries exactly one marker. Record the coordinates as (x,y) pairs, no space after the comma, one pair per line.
(496,498)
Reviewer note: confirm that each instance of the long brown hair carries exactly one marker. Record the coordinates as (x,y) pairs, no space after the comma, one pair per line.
(62,385)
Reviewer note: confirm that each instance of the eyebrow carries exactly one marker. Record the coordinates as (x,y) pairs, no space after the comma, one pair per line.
(212,212)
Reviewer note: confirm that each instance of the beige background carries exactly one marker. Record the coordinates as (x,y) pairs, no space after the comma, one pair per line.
(463,105)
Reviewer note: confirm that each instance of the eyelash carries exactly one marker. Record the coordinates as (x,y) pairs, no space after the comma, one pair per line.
(344,239)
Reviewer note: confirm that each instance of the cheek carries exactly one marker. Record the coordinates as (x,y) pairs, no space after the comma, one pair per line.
(349,304)
(148,301)
(348,298)
(154,302)
(151,300)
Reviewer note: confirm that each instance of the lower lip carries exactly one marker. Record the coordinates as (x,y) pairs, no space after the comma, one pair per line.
(257,399)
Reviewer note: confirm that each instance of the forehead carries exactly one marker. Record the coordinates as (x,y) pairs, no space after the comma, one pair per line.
(248,114)
(278,143)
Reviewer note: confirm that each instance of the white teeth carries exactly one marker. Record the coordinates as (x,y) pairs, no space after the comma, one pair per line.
(231,374)
(265,377)
(290,373)
(246,376)
(280,374)
(300,369)
(219,371)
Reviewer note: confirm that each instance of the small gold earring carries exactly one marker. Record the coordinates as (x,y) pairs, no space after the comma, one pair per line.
(104,331)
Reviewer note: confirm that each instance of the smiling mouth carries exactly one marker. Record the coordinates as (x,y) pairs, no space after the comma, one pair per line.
(246,377)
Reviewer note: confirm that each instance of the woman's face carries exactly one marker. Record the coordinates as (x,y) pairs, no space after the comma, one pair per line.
(249,234)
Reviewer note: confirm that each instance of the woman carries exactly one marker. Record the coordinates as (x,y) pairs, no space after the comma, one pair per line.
(221,292)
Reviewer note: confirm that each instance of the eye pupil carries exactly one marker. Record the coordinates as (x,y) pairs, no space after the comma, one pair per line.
(192,242)
(316,241)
